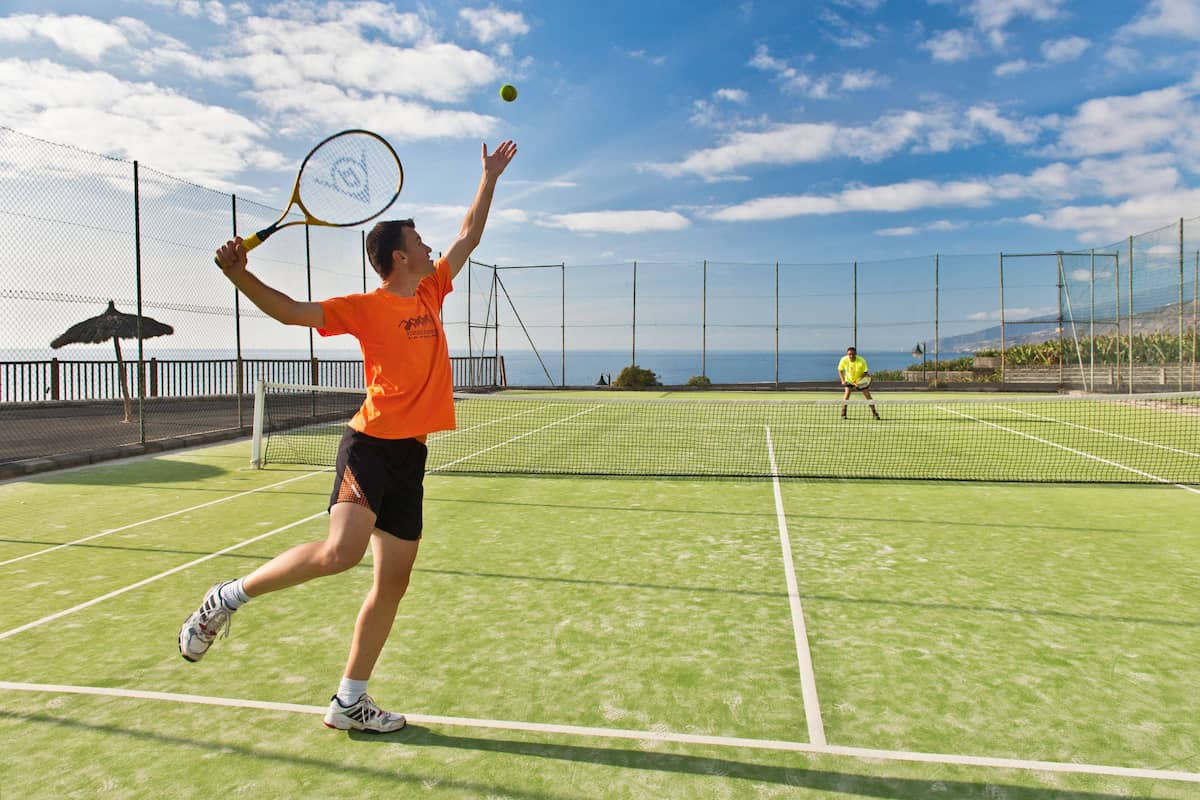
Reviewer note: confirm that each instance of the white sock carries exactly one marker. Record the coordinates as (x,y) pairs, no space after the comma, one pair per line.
(233,595)
(349,690)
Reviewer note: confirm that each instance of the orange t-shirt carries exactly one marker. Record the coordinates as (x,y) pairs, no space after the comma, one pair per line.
(410,389)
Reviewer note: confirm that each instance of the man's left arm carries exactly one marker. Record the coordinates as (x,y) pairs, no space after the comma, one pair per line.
(471,232)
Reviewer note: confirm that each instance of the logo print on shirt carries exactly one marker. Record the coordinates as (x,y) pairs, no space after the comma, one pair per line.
(422,327)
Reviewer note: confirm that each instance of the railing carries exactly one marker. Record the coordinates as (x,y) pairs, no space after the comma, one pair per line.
(56,380)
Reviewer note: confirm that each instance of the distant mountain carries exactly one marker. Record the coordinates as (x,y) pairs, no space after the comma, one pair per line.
(1163,319)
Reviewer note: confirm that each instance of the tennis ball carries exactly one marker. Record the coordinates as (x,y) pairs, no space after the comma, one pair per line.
(508,92)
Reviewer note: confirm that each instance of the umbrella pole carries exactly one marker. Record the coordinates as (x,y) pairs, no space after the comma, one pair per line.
(121,375)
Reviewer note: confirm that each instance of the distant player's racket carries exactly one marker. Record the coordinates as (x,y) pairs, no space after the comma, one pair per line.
(348,179)
(863,382)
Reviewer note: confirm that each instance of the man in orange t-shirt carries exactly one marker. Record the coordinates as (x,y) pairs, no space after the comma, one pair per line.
(378,483)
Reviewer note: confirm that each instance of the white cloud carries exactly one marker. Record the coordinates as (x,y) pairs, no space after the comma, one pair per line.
(1015,67)
(1175,19)
(1058,51)
(617,221)
(492,24)
(1098,224)
(917,131)
(84,37)
(96,111)
(821,87)
(996,14)
(1131,123)
(1012,131)
(731,95)
(842,33)
(913,230)
(951,46)
(907,230)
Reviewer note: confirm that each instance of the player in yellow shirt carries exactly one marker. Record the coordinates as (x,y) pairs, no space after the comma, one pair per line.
(851,370)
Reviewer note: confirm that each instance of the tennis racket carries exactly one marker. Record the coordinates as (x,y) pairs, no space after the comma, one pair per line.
(348,179)
(863,382)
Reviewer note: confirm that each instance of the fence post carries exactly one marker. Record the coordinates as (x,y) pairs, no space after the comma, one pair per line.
(633,346)
(937,338)
(137,249)
(1092,322)
(563,310)
(854,304)
(704,318)
(776,324)
(1003,357)
(240,379)
(1117,315)
(1060,281)
(154,379)
(1130,315)
(56,380)
(1180,304)
(315,372)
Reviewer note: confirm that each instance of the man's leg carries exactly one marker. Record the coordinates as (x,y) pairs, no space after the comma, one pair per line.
(394,559)
(352,707)
(845,400)
(871,403)
(350,527)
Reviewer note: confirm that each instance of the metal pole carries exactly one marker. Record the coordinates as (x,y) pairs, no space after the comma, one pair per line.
(1003,357)
(308,277)
(1130,315)
(937,337)
(364,260)
(237,328)
(1116,306)
(1180,304)
(470,332)
(1195,307)
(854,305)
(1092,323)
(563,277)
(704,319)
(1059,280)
(777,324)
(633,346)
(141,362)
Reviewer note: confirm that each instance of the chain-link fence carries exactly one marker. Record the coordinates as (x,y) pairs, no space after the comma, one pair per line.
(80,230)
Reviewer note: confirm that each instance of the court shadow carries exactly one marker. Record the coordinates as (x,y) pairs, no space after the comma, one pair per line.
(834,782)
(148,472)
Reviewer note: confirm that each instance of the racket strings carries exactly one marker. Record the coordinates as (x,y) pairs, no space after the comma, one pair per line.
(350,178)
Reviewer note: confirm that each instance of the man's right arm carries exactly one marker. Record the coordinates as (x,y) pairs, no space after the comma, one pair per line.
(231,257)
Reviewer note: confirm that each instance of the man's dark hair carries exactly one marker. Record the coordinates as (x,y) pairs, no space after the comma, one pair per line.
(383,240)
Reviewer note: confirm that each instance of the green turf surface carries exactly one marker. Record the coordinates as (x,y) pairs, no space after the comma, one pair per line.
(1034,622)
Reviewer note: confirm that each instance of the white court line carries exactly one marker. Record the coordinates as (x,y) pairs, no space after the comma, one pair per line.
(1073,450)
(513,439)
(1104,432)
(157,577)
(645,736)
(158,518)
(808,679)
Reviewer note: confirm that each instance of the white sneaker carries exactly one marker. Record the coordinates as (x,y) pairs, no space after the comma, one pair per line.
(363,715)
(204,625)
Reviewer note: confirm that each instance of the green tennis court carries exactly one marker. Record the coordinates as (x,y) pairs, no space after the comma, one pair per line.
(581,637)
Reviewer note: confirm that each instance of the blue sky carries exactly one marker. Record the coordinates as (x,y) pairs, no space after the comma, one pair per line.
(751,131)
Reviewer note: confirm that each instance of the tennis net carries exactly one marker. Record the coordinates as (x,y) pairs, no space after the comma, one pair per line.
(1061,438)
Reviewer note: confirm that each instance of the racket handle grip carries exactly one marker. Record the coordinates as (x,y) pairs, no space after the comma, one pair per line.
(250,242)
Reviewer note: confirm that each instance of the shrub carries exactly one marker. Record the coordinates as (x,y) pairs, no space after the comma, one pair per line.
(699,380)
(888,375)
(634,377)
(989,353)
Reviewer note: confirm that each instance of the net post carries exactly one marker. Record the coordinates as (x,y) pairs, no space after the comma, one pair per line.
(937,338)
(1059,279)
(260,393)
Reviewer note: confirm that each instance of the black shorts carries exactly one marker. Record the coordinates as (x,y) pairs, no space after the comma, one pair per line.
(854,388)
(385,475)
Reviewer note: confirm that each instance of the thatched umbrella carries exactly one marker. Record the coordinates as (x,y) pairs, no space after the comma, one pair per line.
(112,324)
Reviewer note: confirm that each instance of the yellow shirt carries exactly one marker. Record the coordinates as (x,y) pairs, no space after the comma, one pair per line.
(852,370)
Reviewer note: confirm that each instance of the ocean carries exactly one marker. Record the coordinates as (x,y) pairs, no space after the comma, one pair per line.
(583,367)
